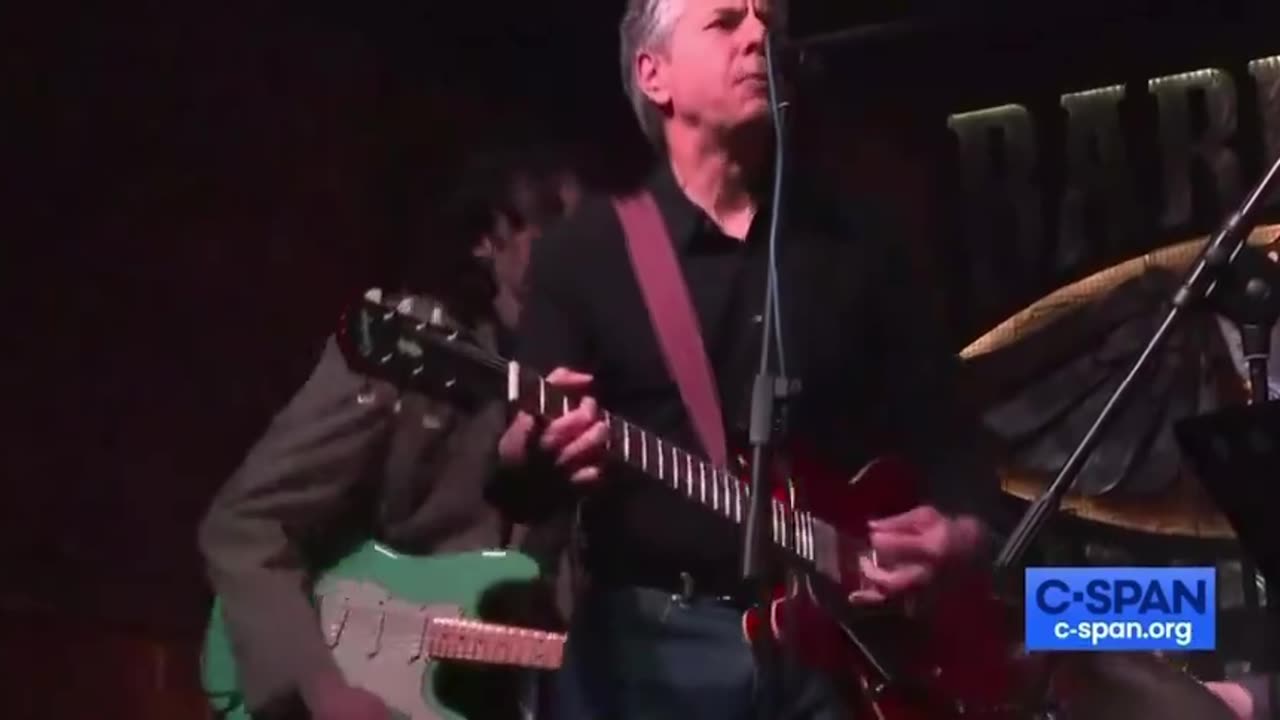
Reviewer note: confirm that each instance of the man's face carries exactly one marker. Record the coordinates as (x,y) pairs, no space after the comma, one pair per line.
(507,247)
(711,71)
(507,244)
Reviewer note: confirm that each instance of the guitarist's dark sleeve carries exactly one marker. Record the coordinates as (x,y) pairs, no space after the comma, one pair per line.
(928,413)
(551,334)
(316,453)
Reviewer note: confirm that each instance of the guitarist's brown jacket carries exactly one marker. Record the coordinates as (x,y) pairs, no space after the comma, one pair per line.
(346,457)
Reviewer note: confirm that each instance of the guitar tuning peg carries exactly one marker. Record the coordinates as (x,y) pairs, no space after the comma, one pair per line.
(373,295)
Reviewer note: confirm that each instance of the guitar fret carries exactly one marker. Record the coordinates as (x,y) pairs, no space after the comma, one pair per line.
(800,534)
(808,537)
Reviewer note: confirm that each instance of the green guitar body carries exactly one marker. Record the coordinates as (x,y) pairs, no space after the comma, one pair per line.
(476,585)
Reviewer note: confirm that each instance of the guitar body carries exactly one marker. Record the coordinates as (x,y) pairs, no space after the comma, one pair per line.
(384,654)
(949,655)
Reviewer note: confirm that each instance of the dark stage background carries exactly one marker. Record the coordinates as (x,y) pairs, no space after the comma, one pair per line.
(194,190)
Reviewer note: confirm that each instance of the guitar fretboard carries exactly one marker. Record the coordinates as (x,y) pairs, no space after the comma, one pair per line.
(361,613)
(458,639)
(715,488)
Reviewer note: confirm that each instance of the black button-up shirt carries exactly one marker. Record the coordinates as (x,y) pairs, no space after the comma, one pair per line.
(874,370)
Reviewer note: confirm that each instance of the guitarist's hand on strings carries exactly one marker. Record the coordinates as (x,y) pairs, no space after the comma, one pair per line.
(909,550)
(576,440)
(1236,697)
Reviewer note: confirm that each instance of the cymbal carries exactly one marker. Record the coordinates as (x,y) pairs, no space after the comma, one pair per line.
(1186,511)
(1044,373)
(1176,258)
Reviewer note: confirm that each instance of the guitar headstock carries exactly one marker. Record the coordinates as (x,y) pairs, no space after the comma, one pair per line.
(405,340)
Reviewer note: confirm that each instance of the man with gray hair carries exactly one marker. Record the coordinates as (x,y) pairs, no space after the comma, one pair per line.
(656,632)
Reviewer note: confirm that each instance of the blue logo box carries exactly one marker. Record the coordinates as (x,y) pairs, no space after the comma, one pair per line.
(1121,608)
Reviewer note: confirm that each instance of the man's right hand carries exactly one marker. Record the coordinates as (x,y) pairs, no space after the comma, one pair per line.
(1236,697)
(576,440)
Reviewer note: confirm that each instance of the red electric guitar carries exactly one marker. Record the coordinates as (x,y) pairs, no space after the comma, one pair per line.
(947,656)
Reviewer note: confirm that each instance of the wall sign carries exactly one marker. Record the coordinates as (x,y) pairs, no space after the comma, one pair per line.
(1131,167)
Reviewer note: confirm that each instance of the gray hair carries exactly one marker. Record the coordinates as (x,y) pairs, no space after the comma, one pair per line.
(646,24)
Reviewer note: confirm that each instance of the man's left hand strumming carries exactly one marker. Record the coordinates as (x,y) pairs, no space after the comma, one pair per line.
(910,550)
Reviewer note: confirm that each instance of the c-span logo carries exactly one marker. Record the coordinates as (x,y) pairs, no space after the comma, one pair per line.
(1121,608)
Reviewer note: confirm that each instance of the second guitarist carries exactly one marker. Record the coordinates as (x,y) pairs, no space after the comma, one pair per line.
(349,457)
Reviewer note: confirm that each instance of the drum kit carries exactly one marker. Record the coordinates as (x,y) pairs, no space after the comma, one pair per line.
(1044,374)
(1044,370)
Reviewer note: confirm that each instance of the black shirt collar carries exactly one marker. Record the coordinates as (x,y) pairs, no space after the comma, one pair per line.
(685,221)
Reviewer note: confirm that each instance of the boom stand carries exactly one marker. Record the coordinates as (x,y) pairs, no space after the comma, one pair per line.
(1214,266)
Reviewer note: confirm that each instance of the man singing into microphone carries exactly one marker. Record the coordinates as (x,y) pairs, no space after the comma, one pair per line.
(657,634)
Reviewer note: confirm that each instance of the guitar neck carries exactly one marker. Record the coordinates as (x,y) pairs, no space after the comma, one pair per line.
(457,639)
(716,488)
(393,343)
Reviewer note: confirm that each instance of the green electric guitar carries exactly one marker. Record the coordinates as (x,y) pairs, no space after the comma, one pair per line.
(404,627)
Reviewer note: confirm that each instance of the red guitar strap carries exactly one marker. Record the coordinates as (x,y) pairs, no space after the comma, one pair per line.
(671,311)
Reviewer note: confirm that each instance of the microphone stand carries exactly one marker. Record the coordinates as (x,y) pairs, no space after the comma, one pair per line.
(1250,300)
(1201,284)
(769,394)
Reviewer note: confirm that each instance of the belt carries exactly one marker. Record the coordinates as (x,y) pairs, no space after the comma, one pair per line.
(684,585)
